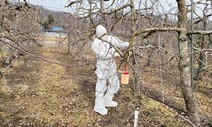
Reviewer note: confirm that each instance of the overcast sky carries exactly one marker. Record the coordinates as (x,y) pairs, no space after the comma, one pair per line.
(51,4)
(59,4)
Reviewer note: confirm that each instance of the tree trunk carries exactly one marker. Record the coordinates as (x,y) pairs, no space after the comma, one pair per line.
(137,87)
(69,42)
(184,66)
(102,9)
(201,58)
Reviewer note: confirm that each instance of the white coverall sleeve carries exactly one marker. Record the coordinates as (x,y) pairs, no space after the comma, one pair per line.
(119,43)
(102,53)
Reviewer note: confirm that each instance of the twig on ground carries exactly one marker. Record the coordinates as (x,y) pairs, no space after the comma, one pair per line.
(187,120)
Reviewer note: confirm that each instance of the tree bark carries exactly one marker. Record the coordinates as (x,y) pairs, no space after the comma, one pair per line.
(202,44)
(69,42)
(137,89)
(184,66)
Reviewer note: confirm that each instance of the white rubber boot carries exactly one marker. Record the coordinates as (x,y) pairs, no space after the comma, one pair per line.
(100,105)
(109,101)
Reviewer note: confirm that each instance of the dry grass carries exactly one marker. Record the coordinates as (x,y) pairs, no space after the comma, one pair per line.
(37,93)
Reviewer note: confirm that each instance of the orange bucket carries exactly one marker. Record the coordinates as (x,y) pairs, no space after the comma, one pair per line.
(125,76)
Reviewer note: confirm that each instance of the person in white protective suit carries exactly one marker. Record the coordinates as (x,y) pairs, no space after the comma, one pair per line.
(106,69)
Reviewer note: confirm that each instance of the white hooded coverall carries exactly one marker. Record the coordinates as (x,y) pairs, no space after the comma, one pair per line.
(106,69)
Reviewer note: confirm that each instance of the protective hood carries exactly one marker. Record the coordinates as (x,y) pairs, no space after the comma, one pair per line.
(101,32)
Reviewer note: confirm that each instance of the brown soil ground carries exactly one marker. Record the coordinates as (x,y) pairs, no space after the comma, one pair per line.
(37,93)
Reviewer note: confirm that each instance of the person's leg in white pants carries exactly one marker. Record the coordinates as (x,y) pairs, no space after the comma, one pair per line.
(101,87)
(113,87)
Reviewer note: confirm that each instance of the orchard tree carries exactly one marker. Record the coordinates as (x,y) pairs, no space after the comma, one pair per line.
(19,28)
(138,23)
